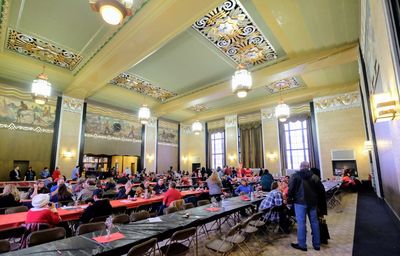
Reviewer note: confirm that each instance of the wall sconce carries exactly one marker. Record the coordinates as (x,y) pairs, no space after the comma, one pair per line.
(368,145)
(272,156)
(384,107)
(232,157)
(67,154)
(150,157)
(184,159)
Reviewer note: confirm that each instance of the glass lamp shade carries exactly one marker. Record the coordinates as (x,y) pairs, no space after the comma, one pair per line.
(197,127)
(41,89)
(241,82)
(144,114)
(112,11)
(282,112)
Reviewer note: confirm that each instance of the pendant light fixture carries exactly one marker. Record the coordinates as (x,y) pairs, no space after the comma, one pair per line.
(241,81)
(197,127)
(41,88)
(282,110)
(144,114)
(112,11)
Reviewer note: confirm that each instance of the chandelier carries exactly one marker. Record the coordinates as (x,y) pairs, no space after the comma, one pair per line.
(144,114)
(282,111)
(41,89)
(112,11)
(241,81)
(197,127)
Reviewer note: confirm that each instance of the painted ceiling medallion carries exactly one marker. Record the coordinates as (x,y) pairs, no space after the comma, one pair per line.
(199,108)
(231,29)
(283,85)
(142,86)
(36,48)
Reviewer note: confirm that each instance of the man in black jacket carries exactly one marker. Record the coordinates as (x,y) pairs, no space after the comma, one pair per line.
(305,189)
(100,207)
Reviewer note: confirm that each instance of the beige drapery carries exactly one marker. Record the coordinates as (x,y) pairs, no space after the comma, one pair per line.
(251,151)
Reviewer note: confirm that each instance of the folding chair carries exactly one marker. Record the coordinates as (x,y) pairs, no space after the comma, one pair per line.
(224,246)
(136,216)
(121,219)
(176,244)
(12,235)
(90,227)
(170,209)
(45,236)
(16,209)
(146,248)
(4,246)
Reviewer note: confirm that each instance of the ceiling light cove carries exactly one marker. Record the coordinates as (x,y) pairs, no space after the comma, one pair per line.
(231,29)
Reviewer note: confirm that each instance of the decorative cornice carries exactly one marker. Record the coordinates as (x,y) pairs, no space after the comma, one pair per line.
(337,102)
(4,13)
(140,85)
(39,49)
(72,104)
(254,117)
(230,28)
(231,121)
(267,113)
(108,137)
(216,124)
(14,127)
(152,122)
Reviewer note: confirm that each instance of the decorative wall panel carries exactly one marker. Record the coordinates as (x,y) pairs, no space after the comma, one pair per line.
(338,101)
(167,133)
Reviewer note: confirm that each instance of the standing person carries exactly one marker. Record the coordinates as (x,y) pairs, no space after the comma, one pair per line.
(30,174)
(304,190)
(15,174)
(127,172)
(266,181)
(45,173)
(75,173)
(214,185)
(56,173)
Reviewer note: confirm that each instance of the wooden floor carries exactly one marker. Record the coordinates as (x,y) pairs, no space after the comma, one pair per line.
(341,224)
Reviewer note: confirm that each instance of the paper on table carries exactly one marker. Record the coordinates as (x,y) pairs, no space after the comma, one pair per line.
(125,201)
(112,237)
(156,219)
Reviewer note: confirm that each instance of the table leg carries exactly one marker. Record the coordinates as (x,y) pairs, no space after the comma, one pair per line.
(197,245)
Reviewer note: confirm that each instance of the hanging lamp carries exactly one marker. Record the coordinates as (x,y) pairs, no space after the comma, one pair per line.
(41,88)
(282,110)
(197,127)
(241,81)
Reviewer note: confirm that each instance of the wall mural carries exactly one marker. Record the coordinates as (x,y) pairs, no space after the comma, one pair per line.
(26,115)
(111,128)
(167,133)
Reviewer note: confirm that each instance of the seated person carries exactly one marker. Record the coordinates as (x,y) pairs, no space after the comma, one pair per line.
(160,187)
(78,187)
(146,185)
(110,184)
(87,192)
(227,183)
(54,190)
(38,188)
(171,195)
(274,200)
(63,195)
(243,188)
(42,211)
(122,179)
(125,191)
(9,197)
(99,207)
(248,172)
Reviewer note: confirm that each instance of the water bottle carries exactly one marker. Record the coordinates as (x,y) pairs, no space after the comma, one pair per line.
(251,196)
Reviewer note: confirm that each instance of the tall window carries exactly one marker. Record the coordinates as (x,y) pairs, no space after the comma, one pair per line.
(217,149)
(296,143)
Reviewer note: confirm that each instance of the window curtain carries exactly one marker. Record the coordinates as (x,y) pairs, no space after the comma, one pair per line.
(209,155)
(282,140)
(251,145)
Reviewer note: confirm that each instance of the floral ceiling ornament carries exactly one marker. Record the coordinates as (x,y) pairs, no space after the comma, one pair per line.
(36,48)
(283,85)
(231,29)
(199,108)
(141,86)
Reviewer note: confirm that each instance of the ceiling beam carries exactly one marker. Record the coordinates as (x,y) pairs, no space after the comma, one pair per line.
(296,96)
(296,66)
(153,26)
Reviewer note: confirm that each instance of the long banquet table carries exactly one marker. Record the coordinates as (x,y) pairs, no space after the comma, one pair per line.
(137,232)
(16,219)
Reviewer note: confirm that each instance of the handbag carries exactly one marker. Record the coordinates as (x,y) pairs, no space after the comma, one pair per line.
(323,231)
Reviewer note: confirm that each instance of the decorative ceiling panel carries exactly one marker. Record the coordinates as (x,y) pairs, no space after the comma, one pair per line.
(199,108)
(36,48)
(230,28)
(283,85)
(142,86)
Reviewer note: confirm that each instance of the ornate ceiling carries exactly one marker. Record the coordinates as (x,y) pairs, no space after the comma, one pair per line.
(182,54)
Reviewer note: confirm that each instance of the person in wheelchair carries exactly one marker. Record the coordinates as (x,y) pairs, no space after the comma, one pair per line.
(275,206)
